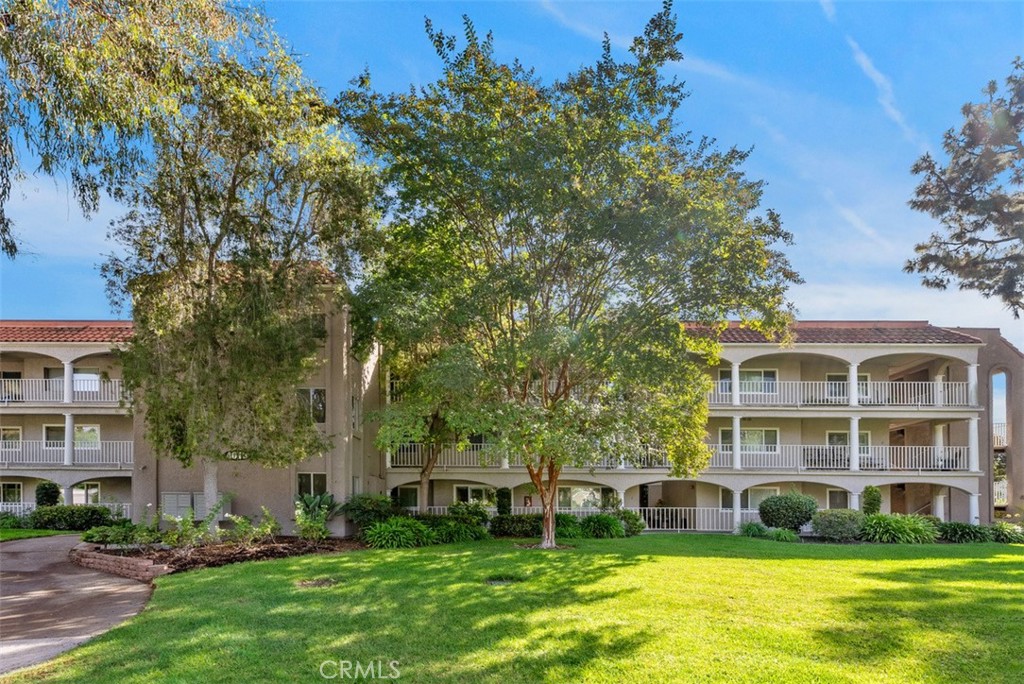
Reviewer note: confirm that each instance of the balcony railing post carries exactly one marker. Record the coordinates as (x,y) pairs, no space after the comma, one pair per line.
(939,390)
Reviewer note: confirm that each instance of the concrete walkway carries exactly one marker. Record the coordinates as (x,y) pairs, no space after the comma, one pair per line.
(48,605)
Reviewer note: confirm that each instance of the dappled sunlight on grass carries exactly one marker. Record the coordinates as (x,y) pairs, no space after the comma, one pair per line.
(655,608)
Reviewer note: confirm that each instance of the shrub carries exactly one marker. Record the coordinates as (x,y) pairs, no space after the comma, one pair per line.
(504,501)
(933,519)
(602,526)
(366,509)
(123,535)
(520,525)
(963,533)
(472,512)
(871,500)
(311,524)
(1007,533)
(631,521)
(454,531)
(398,532)
(791,511)
(842,525)
(75,518)
(10,521)
(319,504)
(567,526)
(898,529)
(753,528)
(47,494)
(782,534)
(246,534)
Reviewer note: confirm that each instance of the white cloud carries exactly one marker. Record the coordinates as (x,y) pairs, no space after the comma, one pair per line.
(829,8)
(886,95)
(49,222)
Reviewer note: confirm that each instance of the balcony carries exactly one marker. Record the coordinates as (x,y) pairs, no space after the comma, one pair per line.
(51,391)
(803,457)
(413,455)
(824,393)
(999,436)
(44,454)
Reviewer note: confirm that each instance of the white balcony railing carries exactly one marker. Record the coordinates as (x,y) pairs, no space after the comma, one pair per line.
(999,436)
(803,457)
(51,391)
(828,393)
(1000,493)
(23,508)
(35,453)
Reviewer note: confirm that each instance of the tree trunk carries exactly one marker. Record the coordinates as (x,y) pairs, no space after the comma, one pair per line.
(209,491)
(548,493)
(433,452)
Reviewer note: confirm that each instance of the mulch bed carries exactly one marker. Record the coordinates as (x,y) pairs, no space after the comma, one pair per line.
(215,555)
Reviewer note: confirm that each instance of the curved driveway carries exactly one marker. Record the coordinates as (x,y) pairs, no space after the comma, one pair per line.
(49,605)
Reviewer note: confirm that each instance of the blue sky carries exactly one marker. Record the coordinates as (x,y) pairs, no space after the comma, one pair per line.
(836,99)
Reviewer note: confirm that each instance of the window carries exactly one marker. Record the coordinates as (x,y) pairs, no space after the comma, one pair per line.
(86,436)
(838,498)
(10,437)
(10,492)
(357,414)
(86,493)
(10,386)
(312,483)
(759,380)
(842,439)
(750,498)
(314,399)
(409,497)
(466,493)
(757,440)
(584,497)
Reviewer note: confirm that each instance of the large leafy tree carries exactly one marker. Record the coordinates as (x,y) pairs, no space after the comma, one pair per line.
(978,197)
(236,249)
(571,247)
(83,82)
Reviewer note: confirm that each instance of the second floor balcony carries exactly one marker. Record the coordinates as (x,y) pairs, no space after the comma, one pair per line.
(935,394)
(53,454)
(55,391)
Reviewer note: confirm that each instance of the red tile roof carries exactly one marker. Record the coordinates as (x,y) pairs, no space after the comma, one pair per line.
(855,332)
(65,331)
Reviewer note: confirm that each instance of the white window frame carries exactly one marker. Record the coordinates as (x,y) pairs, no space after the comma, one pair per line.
(85,487)
(725,380)
(312,482)
(469,492)
(10,443)
(307,394)
(828,492)
(767,448)
(78,445)
(416,495)
(21,491)
(745,494)
(862,449)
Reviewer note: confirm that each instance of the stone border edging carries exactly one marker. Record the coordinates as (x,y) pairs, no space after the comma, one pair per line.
(142,569)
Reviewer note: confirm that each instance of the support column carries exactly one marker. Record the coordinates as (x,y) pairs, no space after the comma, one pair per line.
(69,439)
(940,390)
(853,385)
(973,451)
(972,509)
(69,495)
(855,500)
(504,462)
(69,382)
(735,383)
(854,443)
(737,512)
(938,443)
(737,456)
(939,506)
(622,498)
(972,384)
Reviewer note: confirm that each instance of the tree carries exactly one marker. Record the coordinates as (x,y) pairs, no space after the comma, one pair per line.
(573,250)
(234,252)
(978,197)
(82,83)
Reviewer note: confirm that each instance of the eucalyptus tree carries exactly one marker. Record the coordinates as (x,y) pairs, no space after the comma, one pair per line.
(235,250)
(978,197)
(572,247)
(82,84)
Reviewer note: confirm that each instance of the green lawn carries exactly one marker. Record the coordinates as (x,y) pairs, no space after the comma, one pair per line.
(8,535)
(657,608)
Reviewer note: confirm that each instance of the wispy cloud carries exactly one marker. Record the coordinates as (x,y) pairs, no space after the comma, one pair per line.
(829,8)
(885,93)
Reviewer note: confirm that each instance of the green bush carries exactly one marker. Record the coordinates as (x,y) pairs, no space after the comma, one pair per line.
(871,500)
(883,528)
(567,526)
(74,518)
(10,521)
(842,525)
(519,525)
(782,534)
(1007,533)
(933,519)
(123,535)
(398,532)
(791,511)
(504,501)
(247,534)
(454,531)
(472,512)
(631,521)
(366,509)
(602,526)
(963,533)
(753,528)
(47,494)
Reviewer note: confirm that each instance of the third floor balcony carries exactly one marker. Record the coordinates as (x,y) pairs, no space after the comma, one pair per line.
(937,394)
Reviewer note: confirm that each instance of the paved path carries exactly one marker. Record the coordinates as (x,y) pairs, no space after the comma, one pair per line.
(49,605)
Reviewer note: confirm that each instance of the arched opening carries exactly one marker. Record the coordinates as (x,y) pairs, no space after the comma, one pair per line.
(1000,441)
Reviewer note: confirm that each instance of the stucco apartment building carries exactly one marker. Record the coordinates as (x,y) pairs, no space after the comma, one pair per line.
(905,406)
